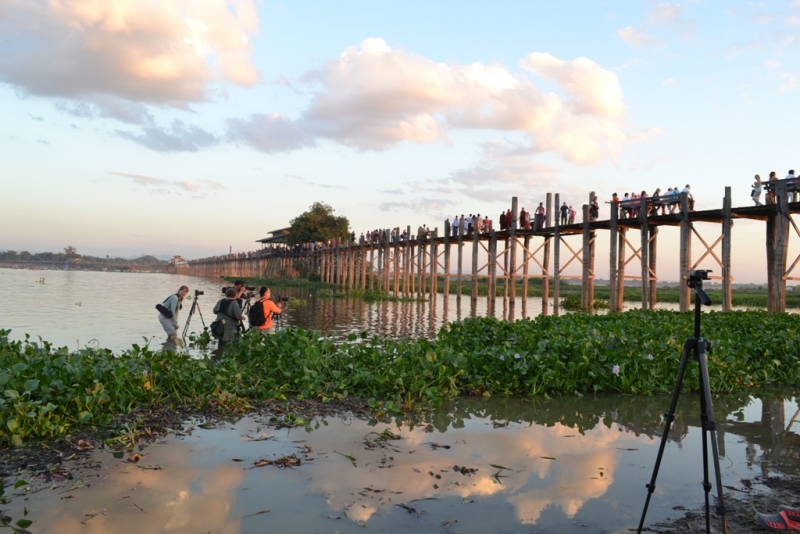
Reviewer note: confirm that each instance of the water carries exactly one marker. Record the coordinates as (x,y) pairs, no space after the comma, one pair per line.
(560,465)
(573,464)
(116,310)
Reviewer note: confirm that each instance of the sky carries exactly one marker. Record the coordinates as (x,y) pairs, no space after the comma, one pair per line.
(193,127)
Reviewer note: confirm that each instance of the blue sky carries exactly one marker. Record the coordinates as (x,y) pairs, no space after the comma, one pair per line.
(178,127)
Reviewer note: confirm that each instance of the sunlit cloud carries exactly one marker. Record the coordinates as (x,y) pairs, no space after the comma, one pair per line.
(638,37)
(373,97)
(165,52)
(179,137)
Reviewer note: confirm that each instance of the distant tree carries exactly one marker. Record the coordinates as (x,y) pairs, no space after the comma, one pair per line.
(71,252)
(25,255)
(317,224)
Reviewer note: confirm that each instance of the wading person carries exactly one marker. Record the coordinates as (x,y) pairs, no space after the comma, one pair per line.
(270,309)
(168,313)
(230,315)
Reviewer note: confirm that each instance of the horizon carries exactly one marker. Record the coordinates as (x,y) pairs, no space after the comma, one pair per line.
(189,129)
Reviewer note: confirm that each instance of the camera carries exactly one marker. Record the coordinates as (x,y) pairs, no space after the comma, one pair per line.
(248,288)
(283,298)
(698,275)
(197,292)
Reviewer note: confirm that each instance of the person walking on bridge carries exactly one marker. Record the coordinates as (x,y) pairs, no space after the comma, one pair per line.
(755,194)
(565,213)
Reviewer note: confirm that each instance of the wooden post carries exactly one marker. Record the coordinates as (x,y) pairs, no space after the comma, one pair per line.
(407,260)
(685,257)
(492,290)
(474,292)
(423,268)
(727,227)
(557,258)
(434,264)
(371,263)
(446,289)
(387,259)
(396,245)
(643,227)
(620,292)
(412,259)
(587,287)
(460,265)
(512,267)
(363,267)
(653,251)
(780,238)
(526,245)
(612,259)
(546,256)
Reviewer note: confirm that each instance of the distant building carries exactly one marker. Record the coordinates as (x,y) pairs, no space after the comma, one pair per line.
(177,260)
(276,237)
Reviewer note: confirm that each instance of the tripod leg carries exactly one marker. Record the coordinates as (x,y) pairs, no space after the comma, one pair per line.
(668,418)
(711,427)
(201,316)
(704,431)
(189,319)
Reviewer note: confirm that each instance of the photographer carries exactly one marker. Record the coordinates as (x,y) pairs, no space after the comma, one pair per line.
(168,313)
(270,309)
(230,314)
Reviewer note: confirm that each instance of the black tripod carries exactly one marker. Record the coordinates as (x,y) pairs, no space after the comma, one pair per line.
(195,306)
(699,346)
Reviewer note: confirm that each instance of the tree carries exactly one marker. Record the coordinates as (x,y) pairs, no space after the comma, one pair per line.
(317,224)
(71,252)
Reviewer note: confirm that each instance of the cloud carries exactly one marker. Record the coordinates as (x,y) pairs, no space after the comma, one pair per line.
(773,63)
(668,82)
(102,106)
(639,37)
(35,117)
(161,185)
(665,13)
(178,138)
(792,80)
(165,52)
(373,97)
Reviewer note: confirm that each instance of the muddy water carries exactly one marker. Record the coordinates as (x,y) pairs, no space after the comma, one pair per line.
(562,465)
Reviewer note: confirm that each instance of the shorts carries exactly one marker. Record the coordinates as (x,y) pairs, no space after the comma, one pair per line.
(169,326)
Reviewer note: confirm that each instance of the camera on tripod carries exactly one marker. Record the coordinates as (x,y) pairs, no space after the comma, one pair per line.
(698,275)
(283,298)
(197,292)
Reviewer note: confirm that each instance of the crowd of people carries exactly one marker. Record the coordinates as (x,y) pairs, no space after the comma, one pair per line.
(630,204)
(229,311)
(758,188)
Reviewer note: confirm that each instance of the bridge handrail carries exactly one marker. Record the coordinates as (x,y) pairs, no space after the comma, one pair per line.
(792,184)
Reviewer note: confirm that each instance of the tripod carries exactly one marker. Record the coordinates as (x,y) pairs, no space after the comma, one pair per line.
(699,347)
(195,306)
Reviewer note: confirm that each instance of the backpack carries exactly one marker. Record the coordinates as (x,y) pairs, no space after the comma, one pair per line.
(217,327)
(256,316)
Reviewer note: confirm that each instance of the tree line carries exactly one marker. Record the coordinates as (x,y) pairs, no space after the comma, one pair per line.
(70,253)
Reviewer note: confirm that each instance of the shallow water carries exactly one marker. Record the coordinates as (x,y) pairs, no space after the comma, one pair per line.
(116,310)
(560,465)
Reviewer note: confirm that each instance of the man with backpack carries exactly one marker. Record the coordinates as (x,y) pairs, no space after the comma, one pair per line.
(168,313)
(229,316)
(262,311)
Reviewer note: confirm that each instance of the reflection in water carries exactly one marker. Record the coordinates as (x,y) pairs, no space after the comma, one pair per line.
(559,464)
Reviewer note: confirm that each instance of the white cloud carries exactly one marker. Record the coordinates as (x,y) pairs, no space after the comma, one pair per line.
(665,13)
(164,52)
(638,37)
(773,63)
(668,82)
(791,81)
(178,138)
(373,97)
(161,185)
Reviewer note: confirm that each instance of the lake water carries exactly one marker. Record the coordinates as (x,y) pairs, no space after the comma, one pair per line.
(560,465)
(116,310)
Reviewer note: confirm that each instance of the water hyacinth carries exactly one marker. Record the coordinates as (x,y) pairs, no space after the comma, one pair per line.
(48,392)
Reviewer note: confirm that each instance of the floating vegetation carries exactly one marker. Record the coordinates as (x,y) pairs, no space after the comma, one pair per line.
(47,392)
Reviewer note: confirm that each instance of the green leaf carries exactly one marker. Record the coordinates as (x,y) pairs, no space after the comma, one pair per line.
(19,484)
(24,523)
(84,417)
(12,425)
(11,393)
(31,385)
(18,368)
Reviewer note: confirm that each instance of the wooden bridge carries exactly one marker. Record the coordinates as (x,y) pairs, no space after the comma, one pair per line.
(414,266)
